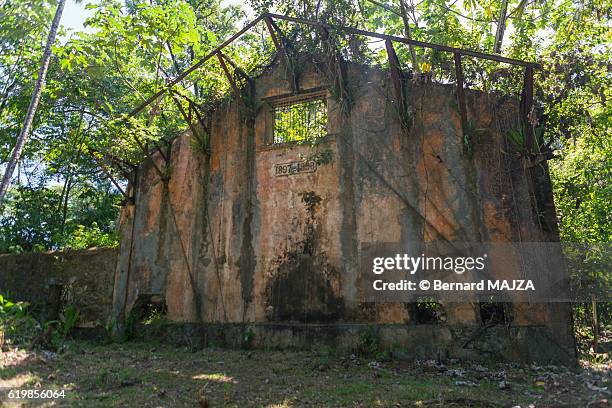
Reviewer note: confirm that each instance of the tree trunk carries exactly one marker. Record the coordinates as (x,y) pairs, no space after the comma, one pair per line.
(27,123)
(595,323)
(78,146)
(408,34)
(501,28)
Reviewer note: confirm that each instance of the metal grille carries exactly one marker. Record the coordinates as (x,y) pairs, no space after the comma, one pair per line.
(301,121)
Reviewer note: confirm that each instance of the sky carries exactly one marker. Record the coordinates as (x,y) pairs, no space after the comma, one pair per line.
(75,14)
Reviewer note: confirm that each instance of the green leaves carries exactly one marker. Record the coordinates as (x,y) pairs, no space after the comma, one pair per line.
(33,219)
(583,188)
(96,78)
(86,237)
(132,49)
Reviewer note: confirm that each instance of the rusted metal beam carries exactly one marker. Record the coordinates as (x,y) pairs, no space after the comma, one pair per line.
(193,106)
(281,37)
(126,175)
(229,76)
(293,80)
(142,146)
(114,159)
(396,75)
(277,35)
(119,164)
(160,151)
(116,162)
(109,175)
(200,118)
(439,47)
(194,131)
(271,16)
(197,65)
(460,90)
(527,107)
(237,69)
(150,156)
(275,39)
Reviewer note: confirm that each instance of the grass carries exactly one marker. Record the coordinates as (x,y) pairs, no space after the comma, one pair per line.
(153,375)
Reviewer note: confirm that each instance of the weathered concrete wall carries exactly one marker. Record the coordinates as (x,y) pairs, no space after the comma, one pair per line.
(225,240)
(499,343)
(85,277)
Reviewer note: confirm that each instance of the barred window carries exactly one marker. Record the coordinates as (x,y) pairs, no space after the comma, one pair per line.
(302,121)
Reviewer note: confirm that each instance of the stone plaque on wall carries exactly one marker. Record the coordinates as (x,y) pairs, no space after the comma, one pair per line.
(296,167)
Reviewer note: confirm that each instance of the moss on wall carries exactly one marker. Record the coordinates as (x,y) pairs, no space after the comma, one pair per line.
(85,277)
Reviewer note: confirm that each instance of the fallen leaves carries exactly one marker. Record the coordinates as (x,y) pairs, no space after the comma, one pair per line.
(103,375)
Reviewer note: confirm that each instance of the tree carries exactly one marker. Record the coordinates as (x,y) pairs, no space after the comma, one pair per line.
(134,47)
(99,77)
(29,118)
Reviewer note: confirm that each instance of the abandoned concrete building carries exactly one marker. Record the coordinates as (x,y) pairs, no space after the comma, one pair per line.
(259,233)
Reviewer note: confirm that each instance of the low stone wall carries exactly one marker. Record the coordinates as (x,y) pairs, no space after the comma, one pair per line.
(51,280)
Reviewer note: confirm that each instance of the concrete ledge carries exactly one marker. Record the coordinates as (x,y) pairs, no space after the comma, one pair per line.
(496,343)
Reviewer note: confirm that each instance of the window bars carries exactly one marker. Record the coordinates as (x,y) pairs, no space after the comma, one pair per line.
(300,121)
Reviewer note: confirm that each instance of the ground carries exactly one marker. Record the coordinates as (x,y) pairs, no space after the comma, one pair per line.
(153,375)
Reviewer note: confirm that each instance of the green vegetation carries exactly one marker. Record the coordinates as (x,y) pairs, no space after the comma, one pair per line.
(38,219)
(22,327)
(16,324)
(60,197)
(96,375)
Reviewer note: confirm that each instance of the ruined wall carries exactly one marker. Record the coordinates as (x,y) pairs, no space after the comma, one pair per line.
(228,240)
(83,279)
